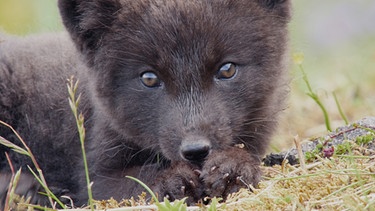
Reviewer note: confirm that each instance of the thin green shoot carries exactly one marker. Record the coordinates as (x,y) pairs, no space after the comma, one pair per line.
(298,60)
(342,114)
(74,102)
(145,187)
(178,205)
(48,191)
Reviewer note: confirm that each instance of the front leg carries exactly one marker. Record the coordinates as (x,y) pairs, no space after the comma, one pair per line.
(228,171)
(174,181)
(178,181)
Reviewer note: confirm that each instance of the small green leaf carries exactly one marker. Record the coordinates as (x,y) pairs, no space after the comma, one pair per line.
(179,205)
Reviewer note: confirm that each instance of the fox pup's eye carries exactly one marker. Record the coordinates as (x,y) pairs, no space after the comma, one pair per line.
(150,79)
(227,71)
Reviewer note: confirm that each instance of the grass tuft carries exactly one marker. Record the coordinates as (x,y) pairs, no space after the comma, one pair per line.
(26,151)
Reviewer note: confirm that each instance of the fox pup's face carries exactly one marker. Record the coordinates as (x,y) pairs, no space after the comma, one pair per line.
(187,77)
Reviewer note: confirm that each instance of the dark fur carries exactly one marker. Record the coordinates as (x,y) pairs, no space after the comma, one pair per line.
(136,130)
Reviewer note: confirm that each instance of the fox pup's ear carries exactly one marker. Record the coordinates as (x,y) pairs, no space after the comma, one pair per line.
(88,20)
(281,7)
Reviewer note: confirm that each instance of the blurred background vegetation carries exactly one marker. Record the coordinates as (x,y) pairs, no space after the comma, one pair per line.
(29,16)
(337,38)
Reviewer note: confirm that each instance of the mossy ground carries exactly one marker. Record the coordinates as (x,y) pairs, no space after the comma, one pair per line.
(344,182)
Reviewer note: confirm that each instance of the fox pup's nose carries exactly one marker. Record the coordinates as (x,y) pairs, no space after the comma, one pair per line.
(195,152)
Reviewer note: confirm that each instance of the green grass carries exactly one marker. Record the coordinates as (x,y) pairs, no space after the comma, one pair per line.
(298,60)
(39,176)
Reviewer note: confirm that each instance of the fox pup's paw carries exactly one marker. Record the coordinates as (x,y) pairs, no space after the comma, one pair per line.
(179,181)
(228,171)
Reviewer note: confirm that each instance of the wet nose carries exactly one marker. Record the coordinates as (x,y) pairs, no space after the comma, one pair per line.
(195,152)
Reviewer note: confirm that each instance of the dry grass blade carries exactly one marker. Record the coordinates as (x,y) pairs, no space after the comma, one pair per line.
(12,146)
(301,157)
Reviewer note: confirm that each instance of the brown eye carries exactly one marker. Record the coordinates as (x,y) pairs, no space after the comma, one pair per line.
(227,71)
(150,79)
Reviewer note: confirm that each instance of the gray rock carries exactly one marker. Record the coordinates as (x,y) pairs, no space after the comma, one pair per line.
(351,132)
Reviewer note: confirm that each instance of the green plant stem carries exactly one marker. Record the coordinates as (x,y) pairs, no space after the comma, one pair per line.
(343,116)
(73,102)
(145,187)
(44,185)
(315,97)
(89,191)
